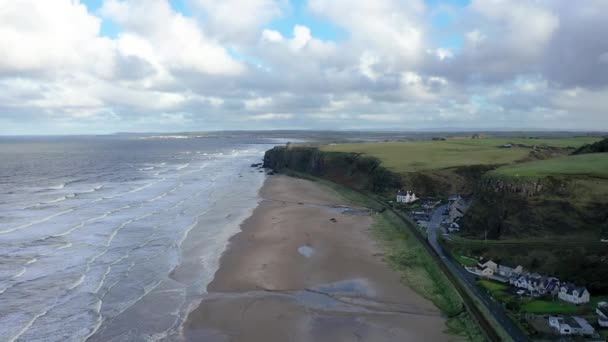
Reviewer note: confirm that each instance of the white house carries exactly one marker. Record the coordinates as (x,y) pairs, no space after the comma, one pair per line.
(406,197)
(487,269)
(602,314)
(571,326)
(508,272)
(573,294)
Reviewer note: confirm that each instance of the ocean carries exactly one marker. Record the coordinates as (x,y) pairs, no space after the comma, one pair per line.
(114,238)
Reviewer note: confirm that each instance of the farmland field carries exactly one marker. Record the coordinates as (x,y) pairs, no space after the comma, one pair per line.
(416,156)
(590,165)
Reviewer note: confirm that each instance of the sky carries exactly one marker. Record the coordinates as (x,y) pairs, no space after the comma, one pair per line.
(104,66)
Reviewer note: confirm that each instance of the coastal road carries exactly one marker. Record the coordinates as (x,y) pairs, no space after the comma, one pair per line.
(468,279)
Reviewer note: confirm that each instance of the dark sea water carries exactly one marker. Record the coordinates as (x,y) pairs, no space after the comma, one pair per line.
(115,238)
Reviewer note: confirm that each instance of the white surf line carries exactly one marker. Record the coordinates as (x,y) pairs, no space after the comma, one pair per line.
(83,223)
(78,282)
(108,243)
(129,254)
(98,324)
(20,273)
(27,326)
(10,230)
(108,270)
(31,261)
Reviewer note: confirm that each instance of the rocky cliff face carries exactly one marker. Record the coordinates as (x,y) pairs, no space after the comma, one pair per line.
(350,169)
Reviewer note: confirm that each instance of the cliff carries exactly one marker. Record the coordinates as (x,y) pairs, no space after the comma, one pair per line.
(350,169)
(366,173)
(548,206)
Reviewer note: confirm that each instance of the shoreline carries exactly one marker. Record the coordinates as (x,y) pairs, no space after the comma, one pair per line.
(303,269)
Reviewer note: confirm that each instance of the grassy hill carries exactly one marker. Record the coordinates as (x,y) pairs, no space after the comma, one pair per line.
(585,165)
(404,157)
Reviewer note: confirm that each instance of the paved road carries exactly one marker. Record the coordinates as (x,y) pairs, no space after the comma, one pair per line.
(496,309)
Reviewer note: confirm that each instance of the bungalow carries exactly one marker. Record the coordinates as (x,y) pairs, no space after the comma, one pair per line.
(571,326)
(573,294)
(602,314)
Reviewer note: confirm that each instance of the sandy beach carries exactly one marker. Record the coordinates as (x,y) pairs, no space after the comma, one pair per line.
(304,269)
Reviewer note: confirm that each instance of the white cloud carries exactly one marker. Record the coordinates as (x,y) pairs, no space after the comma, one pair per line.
(474,38)
(389,26)
(442,53)
(272,36)
(366,64)
(301,37)
(224,67)
(237,20)
(272,116)
(527,26)
(257,103)
(178,43)
(50,36)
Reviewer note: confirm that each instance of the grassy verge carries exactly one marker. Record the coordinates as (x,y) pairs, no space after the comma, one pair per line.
(420,272)
(466,261)
(491,286)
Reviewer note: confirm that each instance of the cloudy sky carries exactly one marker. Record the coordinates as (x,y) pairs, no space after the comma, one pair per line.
(102,66)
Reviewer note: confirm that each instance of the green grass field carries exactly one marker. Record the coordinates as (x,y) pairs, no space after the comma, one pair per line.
(542,307)
(587,165)
(491,286)
(557,307)
(466,261)
(415,156)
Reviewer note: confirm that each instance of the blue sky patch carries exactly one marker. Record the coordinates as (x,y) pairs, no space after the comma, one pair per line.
(300,15)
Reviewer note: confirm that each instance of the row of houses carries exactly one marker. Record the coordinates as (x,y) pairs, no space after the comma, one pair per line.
(534,283)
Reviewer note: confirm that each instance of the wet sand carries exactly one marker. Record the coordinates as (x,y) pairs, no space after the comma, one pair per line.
(304,270)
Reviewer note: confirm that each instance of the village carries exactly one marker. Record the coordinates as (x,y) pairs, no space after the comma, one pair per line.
(578,316)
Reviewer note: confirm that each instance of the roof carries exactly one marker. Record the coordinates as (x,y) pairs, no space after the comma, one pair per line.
(570,288)
(572,322)
(582,323)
